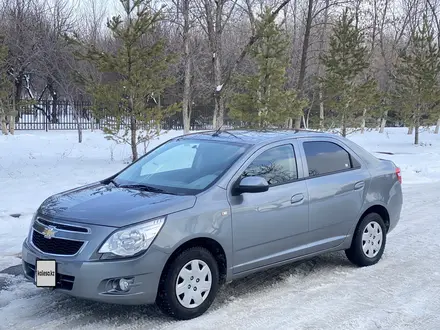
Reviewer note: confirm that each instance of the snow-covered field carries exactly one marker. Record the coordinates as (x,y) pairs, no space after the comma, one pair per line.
(327,292)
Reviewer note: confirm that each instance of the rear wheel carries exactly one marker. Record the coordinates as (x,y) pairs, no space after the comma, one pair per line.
(189,284)
(368,242)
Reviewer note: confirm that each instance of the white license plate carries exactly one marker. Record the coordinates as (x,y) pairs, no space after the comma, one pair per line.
(45,273)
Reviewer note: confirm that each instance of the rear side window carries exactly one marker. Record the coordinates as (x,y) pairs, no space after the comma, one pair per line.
(277,165)
(327,157)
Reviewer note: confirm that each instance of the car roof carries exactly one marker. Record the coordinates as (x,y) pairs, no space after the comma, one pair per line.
(254,137)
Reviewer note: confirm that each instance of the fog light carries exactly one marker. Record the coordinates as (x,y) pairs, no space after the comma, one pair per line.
(124,284)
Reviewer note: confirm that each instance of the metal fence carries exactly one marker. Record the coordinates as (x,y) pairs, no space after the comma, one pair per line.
(62,115)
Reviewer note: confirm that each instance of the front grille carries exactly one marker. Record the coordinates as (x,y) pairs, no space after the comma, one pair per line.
(56,245)
(63,227)
(64,282)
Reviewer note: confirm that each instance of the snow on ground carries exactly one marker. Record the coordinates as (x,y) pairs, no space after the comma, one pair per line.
(419,163)
(401,292)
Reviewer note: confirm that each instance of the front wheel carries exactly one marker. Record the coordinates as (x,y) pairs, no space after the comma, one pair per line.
(368,242)
(189,284)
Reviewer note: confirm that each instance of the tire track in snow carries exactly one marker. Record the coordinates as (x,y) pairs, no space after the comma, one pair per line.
(326,292)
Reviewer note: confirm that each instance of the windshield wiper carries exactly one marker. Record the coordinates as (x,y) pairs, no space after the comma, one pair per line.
(114,182)
(145,188)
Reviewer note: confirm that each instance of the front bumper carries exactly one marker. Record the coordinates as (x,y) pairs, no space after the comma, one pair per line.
(92,280)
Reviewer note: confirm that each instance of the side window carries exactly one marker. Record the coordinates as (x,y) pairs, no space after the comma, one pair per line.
(327,157)
(277,165)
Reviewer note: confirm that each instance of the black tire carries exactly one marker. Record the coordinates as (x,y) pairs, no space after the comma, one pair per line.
(167,299)
(356,252)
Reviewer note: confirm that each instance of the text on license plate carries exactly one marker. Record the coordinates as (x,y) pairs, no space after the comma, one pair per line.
(45,273)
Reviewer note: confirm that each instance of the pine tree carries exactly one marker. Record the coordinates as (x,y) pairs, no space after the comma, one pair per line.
(135,75)
(7,111)
(417,92)
(348,91)
(263,100)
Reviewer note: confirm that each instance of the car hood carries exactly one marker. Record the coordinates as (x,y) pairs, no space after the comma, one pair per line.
(108,205)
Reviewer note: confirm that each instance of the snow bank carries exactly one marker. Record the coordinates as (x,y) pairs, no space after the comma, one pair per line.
(419,163)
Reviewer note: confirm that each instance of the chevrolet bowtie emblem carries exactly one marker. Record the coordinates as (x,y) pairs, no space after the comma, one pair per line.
(49,232)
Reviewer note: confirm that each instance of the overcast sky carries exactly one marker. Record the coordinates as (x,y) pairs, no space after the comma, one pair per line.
(83,10)
(111,6)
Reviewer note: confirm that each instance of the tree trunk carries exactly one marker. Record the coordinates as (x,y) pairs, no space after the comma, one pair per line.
(218,111)
(79,129)
(294,63)
(76,118)
(416,135)
(12,117)
(12,124)
(187,80)
(186,118)
(53,93)
(217,67)
(305,48)
(344,126)
(321,50)
(437,127)
(17,96)
(363,121)
(3,123)
(321,108)
(383,122)
(410,129)
(77,121)
(159,105)
(133,142)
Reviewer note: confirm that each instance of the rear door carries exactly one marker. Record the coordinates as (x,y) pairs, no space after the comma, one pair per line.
(271,226)
(337,182)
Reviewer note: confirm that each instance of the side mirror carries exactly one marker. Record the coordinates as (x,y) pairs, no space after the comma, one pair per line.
(252,184)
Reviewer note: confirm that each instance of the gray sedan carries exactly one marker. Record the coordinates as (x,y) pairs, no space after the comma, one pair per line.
(207,208)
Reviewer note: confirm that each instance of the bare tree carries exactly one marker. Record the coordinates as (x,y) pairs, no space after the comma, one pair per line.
(322,49)
(24,33)
(184,21)
(312,12)
(214,16)
(434,8)
(92,18)
(393,24)
(59,21)
(186,111)
(305,47)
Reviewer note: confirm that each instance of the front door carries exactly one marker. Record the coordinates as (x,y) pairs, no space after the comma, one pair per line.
(269,227)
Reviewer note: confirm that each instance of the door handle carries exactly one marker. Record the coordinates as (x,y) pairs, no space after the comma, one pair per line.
(296,198)
(359,185)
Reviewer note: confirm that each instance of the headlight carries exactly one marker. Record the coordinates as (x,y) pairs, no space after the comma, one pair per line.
(132,240)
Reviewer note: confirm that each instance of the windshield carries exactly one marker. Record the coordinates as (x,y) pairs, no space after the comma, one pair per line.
(182,166)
